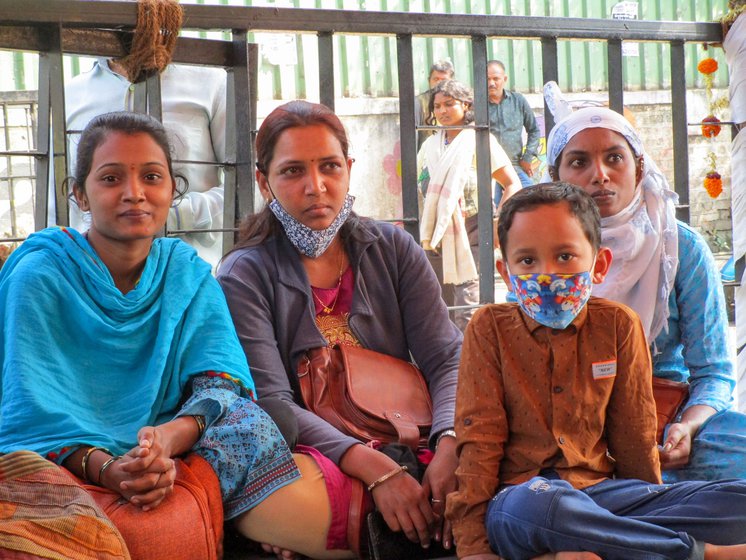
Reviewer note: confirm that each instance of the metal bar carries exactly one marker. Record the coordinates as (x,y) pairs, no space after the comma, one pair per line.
(680,132)
(326,69)
(238,143)
(118,15)
(140,97)
(107,43)
(407,135)
(59,144)
(43,138)
(153,92)
(484,172)
(248,206)
(20,97)
(21,153)
(154,107)
(549,73)
(9,170)
(616,75)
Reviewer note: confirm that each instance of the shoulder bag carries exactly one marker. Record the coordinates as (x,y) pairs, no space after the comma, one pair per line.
(367,395)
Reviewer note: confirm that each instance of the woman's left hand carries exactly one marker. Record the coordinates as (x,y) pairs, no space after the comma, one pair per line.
(438,482)
(676,449)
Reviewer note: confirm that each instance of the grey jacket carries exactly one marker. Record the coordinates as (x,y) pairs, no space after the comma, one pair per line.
(396,310)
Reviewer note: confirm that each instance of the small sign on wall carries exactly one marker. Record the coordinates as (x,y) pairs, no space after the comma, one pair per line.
(627,10)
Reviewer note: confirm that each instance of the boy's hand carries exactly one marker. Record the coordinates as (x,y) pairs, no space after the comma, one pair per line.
(676,449)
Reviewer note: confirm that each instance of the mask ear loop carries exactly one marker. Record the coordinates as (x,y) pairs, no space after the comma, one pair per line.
(274,197)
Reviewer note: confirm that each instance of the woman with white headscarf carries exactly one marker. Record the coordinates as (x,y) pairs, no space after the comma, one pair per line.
(663,270)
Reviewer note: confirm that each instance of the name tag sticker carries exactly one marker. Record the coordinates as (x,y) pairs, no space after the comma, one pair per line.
(604,370)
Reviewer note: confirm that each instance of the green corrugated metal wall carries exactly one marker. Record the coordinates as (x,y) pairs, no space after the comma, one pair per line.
(366,65)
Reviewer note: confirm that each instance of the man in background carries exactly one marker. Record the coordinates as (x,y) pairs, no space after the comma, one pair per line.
(193,107)
(510,114)
(439,71)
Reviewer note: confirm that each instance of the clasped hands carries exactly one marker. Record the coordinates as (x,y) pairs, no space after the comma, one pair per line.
(144,475)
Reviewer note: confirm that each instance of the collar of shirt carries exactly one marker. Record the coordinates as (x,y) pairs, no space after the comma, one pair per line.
(506,95)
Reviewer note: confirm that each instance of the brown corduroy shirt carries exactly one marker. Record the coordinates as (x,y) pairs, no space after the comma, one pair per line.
(577,400)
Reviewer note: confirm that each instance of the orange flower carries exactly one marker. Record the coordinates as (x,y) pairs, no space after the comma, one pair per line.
(707,66)
(713,184)
(710,130)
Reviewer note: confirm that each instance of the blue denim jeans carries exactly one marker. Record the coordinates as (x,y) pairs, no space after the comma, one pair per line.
(616,519)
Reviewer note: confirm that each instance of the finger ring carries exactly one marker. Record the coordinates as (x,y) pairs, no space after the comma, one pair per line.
(434,501)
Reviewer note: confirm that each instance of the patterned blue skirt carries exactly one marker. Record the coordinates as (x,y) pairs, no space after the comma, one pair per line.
(241,443)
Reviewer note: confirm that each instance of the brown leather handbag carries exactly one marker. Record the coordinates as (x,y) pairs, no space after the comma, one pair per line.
(669,396)
(367,395)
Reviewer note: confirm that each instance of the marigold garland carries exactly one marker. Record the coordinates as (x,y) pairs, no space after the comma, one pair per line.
(710,130)
(710,126)
(707,66)
(713,184)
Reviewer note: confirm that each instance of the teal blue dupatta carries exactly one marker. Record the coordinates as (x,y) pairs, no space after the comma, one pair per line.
(84,364)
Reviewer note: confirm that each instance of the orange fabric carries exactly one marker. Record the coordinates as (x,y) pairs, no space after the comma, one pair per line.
(187,525)
(45,514)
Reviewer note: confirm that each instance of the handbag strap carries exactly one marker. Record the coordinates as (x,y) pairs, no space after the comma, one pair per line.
(355,516)
(303,371)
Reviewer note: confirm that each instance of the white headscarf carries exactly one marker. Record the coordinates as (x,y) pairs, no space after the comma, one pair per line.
(643,237)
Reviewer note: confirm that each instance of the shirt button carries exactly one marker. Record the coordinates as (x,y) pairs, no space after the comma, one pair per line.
(558,389)
(132,87)
(562,440)
(467,421)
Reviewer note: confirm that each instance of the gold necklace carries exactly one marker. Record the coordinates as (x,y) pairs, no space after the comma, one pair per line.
(328,309)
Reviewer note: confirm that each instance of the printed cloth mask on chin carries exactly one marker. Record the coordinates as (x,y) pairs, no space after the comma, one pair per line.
(311,242)
(552,300)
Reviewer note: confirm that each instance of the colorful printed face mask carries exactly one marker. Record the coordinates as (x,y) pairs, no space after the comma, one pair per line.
(553,300)
(311,242)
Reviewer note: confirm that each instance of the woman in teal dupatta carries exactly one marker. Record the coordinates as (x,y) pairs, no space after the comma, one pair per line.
(118,352)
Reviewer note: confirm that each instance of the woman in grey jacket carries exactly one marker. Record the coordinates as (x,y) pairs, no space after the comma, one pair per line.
(307,272)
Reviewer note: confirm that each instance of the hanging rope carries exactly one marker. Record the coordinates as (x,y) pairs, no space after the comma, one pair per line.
(154,38)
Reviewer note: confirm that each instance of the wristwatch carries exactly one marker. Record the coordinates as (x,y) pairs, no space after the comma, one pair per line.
(444,433)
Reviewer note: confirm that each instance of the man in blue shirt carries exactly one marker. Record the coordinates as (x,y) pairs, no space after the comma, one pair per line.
(510,113)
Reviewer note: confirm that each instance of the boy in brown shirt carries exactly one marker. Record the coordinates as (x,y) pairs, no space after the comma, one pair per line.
(555,417)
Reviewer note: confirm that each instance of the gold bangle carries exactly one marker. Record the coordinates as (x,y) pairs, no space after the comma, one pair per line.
(200,425)
(84,461)
(384,478)
(105,466)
